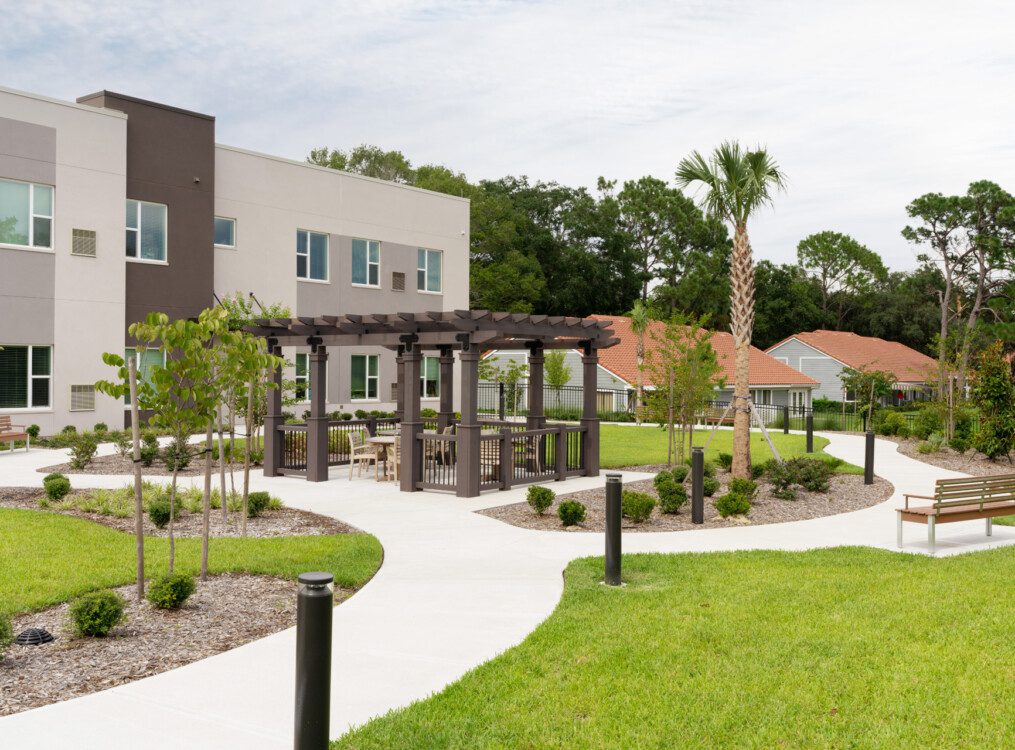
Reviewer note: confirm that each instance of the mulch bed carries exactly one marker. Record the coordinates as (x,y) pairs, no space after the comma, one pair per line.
(281,522)
(117,464)
(847,493)
(226,611)
(970,462)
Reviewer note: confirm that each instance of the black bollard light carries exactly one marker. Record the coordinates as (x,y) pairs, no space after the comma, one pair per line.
(785,420)
(613,491)
(810,433)
(697,485)
(315,602)
(868,459)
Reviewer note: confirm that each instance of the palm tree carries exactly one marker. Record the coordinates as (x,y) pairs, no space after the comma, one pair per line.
(736,184)
(639,325)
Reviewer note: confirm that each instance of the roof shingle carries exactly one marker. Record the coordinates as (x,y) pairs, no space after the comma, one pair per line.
(853,350)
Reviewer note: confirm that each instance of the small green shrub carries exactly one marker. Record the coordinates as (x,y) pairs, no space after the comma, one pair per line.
(725,460)
(811,474)
(101,427)
(757,470)
(6,634)
(33,431)
(149,454)
(733,504)
(709,486)
(680,473)
(707,467)
(170,591)
(68,429)
(83,452)
(346,416)
(637,505)
(52,475)
(925,447)
(672,494)
(150,438)
(540,498)
(56,486)
(428,413)
(903,431)
(158,511)
(176,456)
(97,613)
(257,503)
(748,488)
(782,477)
(122,443)
(927,421)
(362,414)
(959,444)
(571,512)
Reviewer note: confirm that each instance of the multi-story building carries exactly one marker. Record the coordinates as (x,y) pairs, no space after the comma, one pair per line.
(111,207)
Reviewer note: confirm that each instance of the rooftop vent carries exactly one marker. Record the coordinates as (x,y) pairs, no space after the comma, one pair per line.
(33,637)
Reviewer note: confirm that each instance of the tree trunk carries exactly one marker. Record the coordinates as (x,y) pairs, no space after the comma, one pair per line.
(172,517)
(135,430)
(669,422)
(974,314)
(741,326)
(639,388)
(246,458)
(222,468)
(209,442)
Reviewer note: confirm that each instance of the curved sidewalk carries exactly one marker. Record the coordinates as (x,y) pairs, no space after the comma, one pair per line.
(456,588)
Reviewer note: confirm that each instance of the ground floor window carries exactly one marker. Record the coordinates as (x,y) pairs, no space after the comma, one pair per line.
(364,377)
(798,399)
(430,377)
(25,376)
(147,361)
(303,377)
(761,396)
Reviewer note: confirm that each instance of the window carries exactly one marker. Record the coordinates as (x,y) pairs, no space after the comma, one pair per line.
(430,377)
(364,377)
(25,375)
(366,262)
(26,214)
(146,231)
(302,387)
(311,255)
(225,232)
(761,396)
(146,362)
(428,270)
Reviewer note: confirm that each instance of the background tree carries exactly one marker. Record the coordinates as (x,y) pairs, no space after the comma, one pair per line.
(843,270)
(640,322)
(370,161)
(867,386)
(556,372)
(993,393)
(736,183)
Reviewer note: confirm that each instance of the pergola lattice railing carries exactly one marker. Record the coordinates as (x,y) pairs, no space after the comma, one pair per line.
(480,454)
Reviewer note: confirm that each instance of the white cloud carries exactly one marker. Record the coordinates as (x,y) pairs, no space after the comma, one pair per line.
(865,105)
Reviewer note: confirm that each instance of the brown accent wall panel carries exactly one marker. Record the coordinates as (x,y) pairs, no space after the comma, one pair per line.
(170,160)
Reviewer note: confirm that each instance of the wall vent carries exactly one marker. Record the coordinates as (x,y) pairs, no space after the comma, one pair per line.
(82,398)
(397,281)
(83,242)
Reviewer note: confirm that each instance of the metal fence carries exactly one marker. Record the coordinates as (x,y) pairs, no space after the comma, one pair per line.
(564,403)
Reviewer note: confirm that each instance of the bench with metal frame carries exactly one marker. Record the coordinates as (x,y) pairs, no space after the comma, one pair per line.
(963,499)
(12,433)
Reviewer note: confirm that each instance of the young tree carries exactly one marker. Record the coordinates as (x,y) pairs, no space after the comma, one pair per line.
(556,371)
(993,393)
(868,387)
(843,269)
(639,325)
(512,375)
(736,183)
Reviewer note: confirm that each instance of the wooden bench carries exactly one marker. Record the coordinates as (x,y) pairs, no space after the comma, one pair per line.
(11,433)
(965,499)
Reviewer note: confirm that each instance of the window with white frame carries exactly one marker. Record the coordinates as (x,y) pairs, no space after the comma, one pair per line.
(26,214)
(311,255)
(430,377)
(761,396)
(428,270)
(366,262)
(25,377)
(225,232)
(303,378)
(146,231)
(363,380)
(147,361)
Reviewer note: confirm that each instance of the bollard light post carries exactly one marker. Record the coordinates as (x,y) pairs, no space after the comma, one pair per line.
(868,459)
(785,420)
(697,485)
(810,433)
(315,602)
(613,492)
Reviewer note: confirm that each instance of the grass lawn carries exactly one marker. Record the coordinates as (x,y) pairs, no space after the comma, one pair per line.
(623,445)
(1005,520)
(836,648)
(46,558)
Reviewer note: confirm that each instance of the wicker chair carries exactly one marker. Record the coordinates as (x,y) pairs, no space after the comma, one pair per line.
(360,453)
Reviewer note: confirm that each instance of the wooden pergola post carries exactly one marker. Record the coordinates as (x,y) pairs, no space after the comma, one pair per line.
(590,419)
(536,419)
(446,415)
(412,424)
(469,429)
(273,418)
(399,384)
(317,423)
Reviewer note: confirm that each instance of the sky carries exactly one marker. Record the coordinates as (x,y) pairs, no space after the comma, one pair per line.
(864,105)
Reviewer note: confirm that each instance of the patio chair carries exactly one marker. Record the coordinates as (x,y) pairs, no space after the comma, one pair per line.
(394,461)
(360,452)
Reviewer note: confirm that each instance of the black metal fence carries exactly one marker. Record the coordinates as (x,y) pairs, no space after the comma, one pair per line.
(564,403)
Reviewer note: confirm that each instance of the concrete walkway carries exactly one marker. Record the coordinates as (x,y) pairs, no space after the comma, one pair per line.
(455,589)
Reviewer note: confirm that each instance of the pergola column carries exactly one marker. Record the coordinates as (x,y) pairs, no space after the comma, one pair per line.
(468,442)
(590,419)
(536,420)
(272,418)
(446,415)
(317,424)
(399,384)
(412,425)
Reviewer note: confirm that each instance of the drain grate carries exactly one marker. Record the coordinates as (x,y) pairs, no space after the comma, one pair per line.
(33,637)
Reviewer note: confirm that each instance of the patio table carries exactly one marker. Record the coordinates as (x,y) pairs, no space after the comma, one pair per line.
(382,442)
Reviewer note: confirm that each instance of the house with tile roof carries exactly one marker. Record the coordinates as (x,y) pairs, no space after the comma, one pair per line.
(823,355)
(772,382)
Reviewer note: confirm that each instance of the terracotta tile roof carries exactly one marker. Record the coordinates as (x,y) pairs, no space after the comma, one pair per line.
(853,350)
(622,359)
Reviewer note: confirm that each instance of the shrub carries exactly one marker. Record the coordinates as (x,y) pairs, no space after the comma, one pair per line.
(925,447)
(680,473)
(68,429)
(256,456)
(782,478)
(257,503)
(903,431)
(726,460)
(733,504)
(150,438)
(540,498)
(170,591)
(571,512)
(637,505)
(709,486)
(100,427)
(176,456)
(889,422)
(346,416)
(33,431)
(83,452)
(56,486)
(811,474)
(122,444)
(97,613)
(362,414)
(428,413)
(748,488)
(52,475)
(6,634)
(148,455)
(158,511)
(928,420)
(672,494)
(959,444)
(708,468)
(757,470)
(964,425)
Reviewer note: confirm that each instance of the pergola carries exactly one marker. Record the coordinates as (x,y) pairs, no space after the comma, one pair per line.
(466,455)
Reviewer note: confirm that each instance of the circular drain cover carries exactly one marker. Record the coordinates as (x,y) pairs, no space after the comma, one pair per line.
(33,637)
